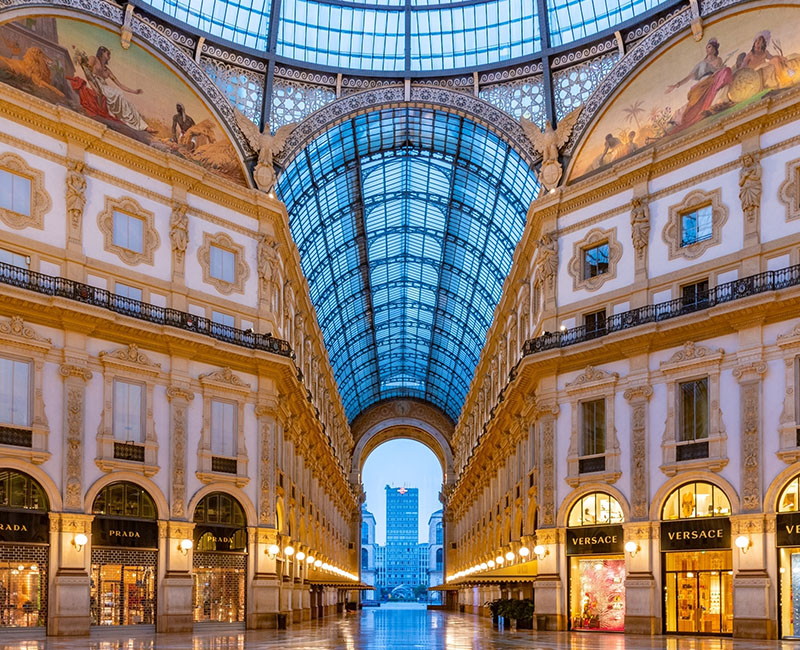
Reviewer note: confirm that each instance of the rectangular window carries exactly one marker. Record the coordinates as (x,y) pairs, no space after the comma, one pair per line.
(695,296)
(222,264)
(595,260)
(693,410)
(128,232)
(222,318)
(15,259)
(223,428)
(128,412)
(595,323)
(15,192)
(696,225)
(593,426)
(125,291)
(15,392)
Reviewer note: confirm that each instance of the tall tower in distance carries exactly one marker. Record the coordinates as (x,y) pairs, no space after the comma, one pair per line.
(402,537)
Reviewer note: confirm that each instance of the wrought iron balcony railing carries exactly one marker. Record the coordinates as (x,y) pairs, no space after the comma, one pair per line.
(54,286)
(723,293)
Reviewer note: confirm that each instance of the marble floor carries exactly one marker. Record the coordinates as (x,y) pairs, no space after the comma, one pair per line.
(383,629)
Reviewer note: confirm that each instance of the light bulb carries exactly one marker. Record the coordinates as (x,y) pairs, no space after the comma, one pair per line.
(490,564)
(310,559)
(273,550)
(510,556)
(289,550)
(301,556)
(524,551)
(500,559)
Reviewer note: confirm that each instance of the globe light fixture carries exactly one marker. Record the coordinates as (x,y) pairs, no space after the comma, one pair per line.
(79,541)
(273,550)
(300,556)
(288,551)
(632,548)
(524,552)
(743,543)
(500,559)
(540,551)
(510,556)
(185,546)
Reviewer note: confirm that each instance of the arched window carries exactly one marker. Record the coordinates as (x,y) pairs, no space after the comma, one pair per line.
(698,499)
(219,508)
(439,533)
(439,559)
(20,491)
(364,533)
(124,499)
(364,559)
(789,500)
(595,509)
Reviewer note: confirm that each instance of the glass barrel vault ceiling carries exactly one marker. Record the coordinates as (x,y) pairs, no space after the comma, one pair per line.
(401,35)
(406,220)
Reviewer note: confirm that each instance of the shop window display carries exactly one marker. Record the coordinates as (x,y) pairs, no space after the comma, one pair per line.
(788,541)
(595,509)
(698,592)
(696,500)
(597,597)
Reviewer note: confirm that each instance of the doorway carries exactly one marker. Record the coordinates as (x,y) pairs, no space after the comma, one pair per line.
(698,592)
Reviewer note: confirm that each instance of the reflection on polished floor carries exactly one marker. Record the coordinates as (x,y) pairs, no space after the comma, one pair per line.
(403,628)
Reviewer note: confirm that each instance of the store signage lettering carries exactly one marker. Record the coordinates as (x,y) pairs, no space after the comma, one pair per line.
(24,527)
(787,530)
(219,538)
(129,533)
(697,534)
(594,540)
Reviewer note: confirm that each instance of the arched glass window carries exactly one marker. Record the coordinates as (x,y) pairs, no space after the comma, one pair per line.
(220,509)
(698,499)
(439,533)
(20,491)
(124,499)
(595,509)
(439,559)
(789,500)
(364,559)
(364,533)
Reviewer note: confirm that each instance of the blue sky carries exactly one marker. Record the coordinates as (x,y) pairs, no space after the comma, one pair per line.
(407,463)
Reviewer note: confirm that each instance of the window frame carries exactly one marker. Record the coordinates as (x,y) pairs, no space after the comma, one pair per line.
(128,219)
(29,391)
(576,266)
(698,239)
(130,208)
(589,267)
(117,382)
(682,434)
(40,202)
(241,271)
(672,234)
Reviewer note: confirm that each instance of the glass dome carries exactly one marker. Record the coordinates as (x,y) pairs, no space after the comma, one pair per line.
(401,36)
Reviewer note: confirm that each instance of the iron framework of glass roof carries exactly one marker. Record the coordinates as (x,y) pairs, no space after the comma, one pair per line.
(403,37)
(406,220)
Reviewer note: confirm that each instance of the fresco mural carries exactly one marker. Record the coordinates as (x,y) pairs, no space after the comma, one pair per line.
(83,67)
(740,60)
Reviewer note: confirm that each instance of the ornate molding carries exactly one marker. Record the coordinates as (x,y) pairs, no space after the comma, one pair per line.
(175,393)
(240,269)
(636,393)
(40,201)
(592,378)
(673,229)
(750,189)
(68,370)
(576,269)
(789,190)
(640,225)
(131,358)
(179,234)
(691,353)
(16,327)
(150,239)
(75,197)
(225,378)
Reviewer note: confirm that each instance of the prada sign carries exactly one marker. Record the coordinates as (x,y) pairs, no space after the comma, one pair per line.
(30,527)
(787,530)
(127,533)
(700,534)
(595,540)
(220,538)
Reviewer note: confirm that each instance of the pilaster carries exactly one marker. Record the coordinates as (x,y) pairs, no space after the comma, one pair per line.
(70,584)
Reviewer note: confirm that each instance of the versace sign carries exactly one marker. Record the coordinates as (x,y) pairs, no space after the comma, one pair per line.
(595,540)
(787,531)
(30,527)
(699,534)
(128,533)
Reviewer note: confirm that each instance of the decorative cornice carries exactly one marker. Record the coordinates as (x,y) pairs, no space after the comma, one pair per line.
(225,377)
(179,393)
(691,352)
(634,393)
(70,370)
(592,377)
(753,370)
(17,328)
(129,355)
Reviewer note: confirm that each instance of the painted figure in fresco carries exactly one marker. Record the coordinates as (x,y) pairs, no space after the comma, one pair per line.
(181,123)
(110,100)
(711,76)
(779,72)
(614,149)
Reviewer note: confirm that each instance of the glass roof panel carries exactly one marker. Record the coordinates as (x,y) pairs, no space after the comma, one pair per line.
(572,20)
(342,36)
(406,220)
(244,22)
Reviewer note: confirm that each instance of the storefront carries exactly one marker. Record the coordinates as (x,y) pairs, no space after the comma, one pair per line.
(596,564)
(697,561)
(24,550)
(220,560)
(787,537)
(124,556)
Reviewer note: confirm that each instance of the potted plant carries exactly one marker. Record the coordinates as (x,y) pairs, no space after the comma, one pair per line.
(494,609)
(523,612)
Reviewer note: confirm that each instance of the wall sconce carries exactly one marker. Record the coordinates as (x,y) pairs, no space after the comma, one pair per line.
(185,546)
(540,551)
(288,551)
(484,566)
(490,564)
(524,552)
(510,556)
(273,551)
(317,564)
(79,541)
(499,559)
(300,556)
(310,559)
(744,543)
(632,548)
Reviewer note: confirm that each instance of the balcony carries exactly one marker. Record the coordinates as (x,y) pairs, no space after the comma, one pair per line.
(49,285)
(129,451)
(16,437)
(728,292)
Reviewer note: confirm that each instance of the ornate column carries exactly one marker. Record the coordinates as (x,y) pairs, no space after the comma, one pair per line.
(264,606)
(753,610)
(75,201)
(638,397)
(75,374)
(640,236)
(750,197)
(179,239)
(179,397)
(175,582)
(68,607)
